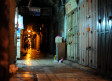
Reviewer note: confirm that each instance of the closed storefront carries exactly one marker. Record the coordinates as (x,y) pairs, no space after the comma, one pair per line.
(88,33)
(105,37)
(72,27)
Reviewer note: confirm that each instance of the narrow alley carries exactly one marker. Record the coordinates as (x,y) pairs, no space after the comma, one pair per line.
(35,66)
(55,40)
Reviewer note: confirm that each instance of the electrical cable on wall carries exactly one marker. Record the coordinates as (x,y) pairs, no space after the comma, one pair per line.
(29,3)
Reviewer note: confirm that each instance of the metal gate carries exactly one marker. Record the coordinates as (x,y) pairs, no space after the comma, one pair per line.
(72,38)
(88,33)
(105,37)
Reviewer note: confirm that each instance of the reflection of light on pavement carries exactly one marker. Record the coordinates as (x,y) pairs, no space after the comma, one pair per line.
(28,60)
(26,75)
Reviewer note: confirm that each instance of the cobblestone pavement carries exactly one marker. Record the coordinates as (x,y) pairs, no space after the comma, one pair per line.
(34,66)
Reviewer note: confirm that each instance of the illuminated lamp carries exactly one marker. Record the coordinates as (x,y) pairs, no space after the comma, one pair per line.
(70,29)
(40,28)
(110,20)
(103,22)
(29,30)
(42,25)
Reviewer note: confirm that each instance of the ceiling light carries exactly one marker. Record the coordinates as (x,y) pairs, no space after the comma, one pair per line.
(29,30)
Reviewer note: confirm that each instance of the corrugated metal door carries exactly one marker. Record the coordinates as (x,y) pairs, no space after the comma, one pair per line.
(82,34)
(88,33)
(92,33)
(68,36)
(72,35)
(105,37)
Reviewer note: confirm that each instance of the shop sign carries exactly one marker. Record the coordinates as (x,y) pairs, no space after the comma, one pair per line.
(34,11)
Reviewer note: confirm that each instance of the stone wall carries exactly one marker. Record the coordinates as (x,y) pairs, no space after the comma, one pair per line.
(12,54)
(5,22)
(56,27)
(4,39)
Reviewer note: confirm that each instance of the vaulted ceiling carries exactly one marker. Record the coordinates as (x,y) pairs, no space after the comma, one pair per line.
(37,3)
(24,5)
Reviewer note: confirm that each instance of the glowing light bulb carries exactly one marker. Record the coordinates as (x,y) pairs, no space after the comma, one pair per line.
(110,22)
(29,30)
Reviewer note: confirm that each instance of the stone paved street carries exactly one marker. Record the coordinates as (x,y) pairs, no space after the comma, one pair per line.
(41,68)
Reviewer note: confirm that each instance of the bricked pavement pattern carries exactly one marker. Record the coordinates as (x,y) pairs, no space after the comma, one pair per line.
(35,66)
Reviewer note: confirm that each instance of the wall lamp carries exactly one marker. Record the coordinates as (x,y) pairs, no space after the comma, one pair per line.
(70,29)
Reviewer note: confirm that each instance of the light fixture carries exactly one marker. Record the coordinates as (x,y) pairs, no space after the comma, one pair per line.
(40,28)
(110,22)
(103,22)
(70,29)
(29,30)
